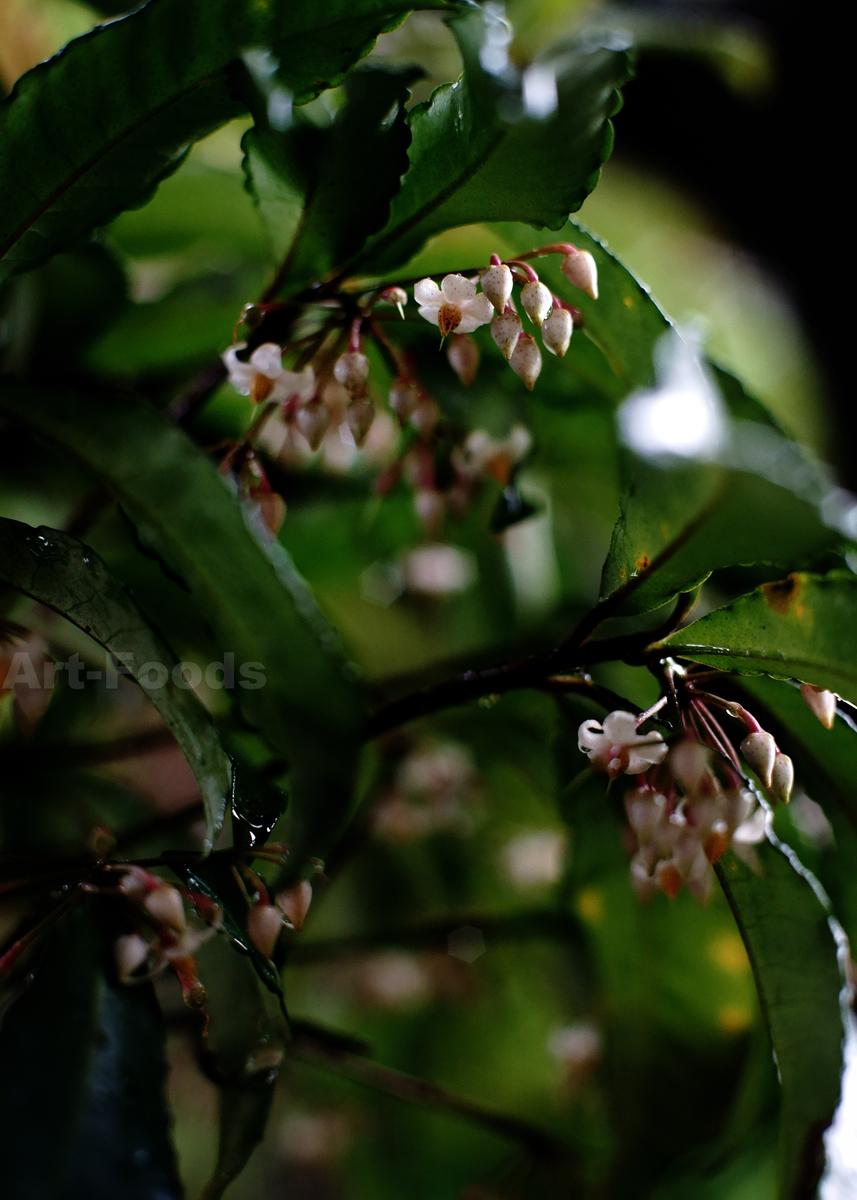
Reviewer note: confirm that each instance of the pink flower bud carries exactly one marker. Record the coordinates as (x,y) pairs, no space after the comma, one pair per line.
(312,421)
(821,702)
(580,269)
(497,285)
(505,330)
(556,331)
(264,924)
(463,355)
(537,300)
(294,903)
(360,416)
(166,906)
(782,778)
(760,751)
(404,398)
(351,370)
(526,361)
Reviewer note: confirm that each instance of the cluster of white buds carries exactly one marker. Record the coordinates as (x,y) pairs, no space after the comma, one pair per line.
(455,306)
(774,769)
(684,820)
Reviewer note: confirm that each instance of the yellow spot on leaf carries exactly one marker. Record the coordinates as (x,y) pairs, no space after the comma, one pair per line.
(642,562)
(590,905)
(628,302)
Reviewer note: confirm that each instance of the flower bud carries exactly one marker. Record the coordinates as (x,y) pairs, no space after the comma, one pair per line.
(166,906)
(760,751)
(294,903)
(429,506)
(526,361)
(404,398)
(782,778)
(264,924)
(360,416)
(580,269)
(272,507)
(505,330)
(396,296)
(463,355)
(537,300)
(821,702)
(497,285)
(312,421)
(351,370)
(556,331)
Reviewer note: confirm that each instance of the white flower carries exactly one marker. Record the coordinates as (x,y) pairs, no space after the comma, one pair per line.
(264,377)
(454,306)
(616,746)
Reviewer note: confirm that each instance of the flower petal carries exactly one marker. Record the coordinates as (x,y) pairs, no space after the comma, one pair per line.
(620,727)
(426,292)
(479,307)
(295,383)
(590,736)
(431,313)
(267,360)
(457,290)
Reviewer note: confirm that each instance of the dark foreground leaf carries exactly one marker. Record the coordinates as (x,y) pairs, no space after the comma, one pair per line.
(802,627)
(291,680)
(147,86)
(59,572)
(793,953)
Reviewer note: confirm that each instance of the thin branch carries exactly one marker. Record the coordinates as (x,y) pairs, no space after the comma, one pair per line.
(311,1045)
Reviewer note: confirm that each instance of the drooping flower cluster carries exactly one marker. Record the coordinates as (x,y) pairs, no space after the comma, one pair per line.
(324,399)
(691,802)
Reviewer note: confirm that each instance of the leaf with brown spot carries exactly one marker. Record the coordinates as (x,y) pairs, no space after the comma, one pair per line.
(803,628)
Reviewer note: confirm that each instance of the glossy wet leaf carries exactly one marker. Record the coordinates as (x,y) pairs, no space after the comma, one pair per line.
(323,191)
(478,155)
(785,930)
(290,678)
(70,578)
(802,627)
(66,168)
(257,805)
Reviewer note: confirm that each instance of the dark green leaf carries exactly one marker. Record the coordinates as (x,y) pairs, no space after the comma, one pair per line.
(785,929)
(55,569)
(802,627)
(241,1054)
(477,155)
(144,88)
(322,191)
(45,1043)
(291,681)
(257,805)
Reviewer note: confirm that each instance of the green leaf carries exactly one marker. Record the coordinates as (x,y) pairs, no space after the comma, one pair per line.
(241,1054)
(477,155)
(56,570)
(322,191)
(290,679)
(793,952)
(45,1045)
(145,87)
(802,627)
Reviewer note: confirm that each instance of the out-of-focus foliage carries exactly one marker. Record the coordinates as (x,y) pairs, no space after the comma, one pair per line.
(479,1005)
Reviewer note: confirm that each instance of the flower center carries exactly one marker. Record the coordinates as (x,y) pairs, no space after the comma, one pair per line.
(448,319)
(261,388)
